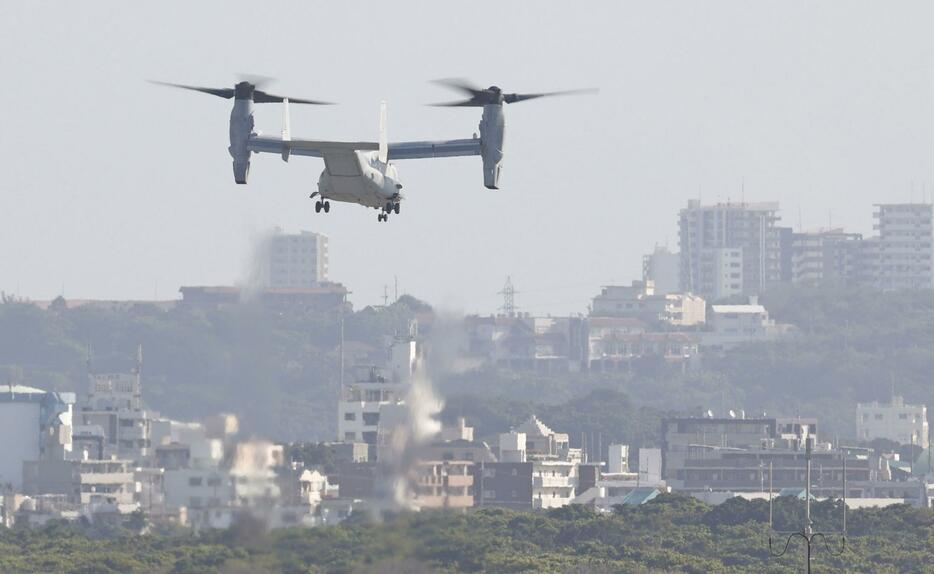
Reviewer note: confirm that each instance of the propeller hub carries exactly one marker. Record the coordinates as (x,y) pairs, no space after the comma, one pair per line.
(244,91)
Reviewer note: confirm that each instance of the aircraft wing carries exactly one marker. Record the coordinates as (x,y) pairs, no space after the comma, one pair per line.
(340,158)
(309,148)
(398,150)
(449,148)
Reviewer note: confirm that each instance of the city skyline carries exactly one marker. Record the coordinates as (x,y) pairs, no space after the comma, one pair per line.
(717,102)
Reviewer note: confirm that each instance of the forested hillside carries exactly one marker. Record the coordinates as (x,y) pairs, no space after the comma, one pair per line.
(670,534)
(278,371)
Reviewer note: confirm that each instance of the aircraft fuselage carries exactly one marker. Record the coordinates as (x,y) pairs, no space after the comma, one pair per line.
(372,184)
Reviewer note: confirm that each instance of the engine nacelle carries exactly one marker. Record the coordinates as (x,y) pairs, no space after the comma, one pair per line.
(492,132)
(241,128)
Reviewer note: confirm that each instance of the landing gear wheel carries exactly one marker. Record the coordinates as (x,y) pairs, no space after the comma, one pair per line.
(380,217)
(395,208)
(327,207)
(317,207)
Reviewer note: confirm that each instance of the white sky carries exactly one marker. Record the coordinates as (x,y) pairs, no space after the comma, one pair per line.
(115,188)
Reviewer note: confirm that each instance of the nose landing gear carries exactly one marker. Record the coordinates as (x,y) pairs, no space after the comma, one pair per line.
(325,205)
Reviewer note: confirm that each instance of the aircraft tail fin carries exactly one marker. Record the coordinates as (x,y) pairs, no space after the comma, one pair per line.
(383,139)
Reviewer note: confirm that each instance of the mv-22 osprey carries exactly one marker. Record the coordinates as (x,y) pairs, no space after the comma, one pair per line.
(363,172)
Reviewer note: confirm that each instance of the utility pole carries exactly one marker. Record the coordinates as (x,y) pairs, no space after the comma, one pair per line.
(807,533)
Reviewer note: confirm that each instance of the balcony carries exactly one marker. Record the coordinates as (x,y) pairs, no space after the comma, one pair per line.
(551,482)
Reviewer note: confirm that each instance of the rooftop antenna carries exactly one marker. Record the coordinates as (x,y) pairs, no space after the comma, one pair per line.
(395,287)
(385,295)
(807,532)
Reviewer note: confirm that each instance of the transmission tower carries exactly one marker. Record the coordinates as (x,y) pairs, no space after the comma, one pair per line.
(509,298)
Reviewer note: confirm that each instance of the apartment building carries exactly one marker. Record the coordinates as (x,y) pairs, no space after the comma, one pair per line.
(729,248)
(444,484)
(902,256)
(642,301)
(825,257)
(287,260)
(376,389)
(112,412)
(663,269)
(896,421)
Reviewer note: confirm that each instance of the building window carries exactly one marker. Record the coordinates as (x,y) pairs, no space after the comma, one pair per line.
(371,419)
(350,436)
(194,481)
(878,417)
(350,416)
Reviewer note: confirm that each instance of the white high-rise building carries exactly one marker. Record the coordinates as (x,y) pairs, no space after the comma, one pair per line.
(290,260)
(902,256)
(711,236)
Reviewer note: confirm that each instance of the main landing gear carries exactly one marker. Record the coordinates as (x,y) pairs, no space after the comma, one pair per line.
(390,207)
(325,205)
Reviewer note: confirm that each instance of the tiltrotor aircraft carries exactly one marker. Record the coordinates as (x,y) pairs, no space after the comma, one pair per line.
(363,172)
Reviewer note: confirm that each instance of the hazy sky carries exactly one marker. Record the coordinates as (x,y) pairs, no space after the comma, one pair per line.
(115,188)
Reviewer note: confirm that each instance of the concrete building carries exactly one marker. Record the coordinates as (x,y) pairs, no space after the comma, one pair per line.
(663,268)
(902,256)
(729,248)
(376,388)
(113,404)
(825,257)
(34,424)
(444,484)
(457,443)
(642,301)
(896,421)
(692,438)
(288,260)
(86,482)
(731,325)
(526,343)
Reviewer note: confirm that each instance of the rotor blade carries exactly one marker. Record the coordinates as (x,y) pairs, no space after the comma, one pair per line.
(220,92)
(460,104)
(513,98)
(261,97)
(460,84)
